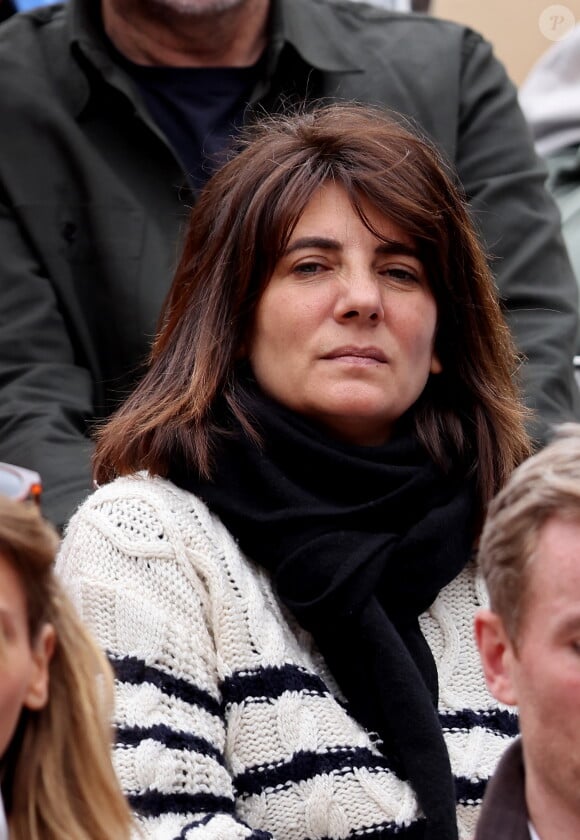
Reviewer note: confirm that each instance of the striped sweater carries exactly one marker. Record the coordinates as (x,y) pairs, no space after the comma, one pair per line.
(229,724)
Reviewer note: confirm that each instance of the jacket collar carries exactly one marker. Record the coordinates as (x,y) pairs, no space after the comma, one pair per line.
(89,43)
(504,813)
(317,33)
(298,23)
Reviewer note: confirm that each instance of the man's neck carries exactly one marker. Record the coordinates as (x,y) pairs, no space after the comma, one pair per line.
(154,33)
(552,817)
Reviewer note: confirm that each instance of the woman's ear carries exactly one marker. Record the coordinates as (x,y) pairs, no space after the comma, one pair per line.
(436,366)
(36,695)
(497,656)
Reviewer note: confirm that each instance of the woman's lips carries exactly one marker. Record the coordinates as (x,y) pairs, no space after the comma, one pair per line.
(357,355)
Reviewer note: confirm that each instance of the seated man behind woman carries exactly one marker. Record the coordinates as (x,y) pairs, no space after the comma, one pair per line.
(280,567)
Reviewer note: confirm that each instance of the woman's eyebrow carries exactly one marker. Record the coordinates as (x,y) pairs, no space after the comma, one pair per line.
(392,246)
(314,242)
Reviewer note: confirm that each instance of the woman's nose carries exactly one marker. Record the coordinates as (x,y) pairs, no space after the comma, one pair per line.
(360,297)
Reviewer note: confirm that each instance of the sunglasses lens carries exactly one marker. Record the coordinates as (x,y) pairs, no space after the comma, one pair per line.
(11,485)
(19,484)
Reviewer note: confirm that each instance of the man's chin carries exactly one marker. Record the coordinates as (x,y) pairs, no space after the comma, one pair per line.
(198,8)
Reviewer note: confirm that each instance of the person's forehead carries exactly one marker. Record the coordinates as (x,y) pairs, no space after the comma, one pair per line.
(331,202)
(12,596)
(554,573)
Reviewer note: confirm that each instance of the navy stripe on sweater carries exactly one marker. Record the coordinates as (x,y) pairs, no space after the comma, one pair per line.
(255,835)
(500,721)
(306,765)
(153,803)
(469,791)
(131,736)
(415,831)
(129,669)
(264,684)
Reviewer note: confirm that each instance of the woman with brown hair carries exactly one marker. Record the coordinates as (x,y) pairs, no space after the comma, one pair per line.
(56,773)
(280,563)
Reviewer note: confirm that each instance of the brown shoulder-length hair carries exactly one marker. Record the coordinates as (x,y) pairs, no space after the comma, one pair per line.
(469,417)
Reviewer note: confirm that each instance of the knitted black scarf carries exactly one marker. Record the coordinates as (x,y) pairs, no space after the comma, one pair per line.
(359,541)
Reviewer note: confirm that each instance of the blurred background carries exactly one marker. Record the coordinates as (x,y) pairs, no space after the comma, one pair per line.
(513,26)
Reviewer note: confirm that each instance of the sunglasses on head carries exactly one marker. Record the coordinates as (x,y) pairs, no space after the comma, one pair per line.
(20,484)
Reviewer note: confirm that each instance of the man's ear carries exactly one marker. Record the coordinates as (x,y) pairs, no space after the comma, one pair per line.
(497,656)
(36,696)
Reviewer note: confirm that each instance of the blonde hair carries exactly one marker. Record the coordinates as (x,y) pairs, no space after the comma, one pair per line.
(57,775)
(545,486)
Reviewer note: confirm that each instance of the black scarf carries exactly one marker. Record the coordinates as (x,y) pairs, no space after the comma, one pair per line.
(359,541)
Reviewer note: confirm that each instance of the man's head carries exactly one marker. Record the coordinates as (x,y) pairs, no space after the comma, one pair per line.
(544,487)
(188,33)
(530,639)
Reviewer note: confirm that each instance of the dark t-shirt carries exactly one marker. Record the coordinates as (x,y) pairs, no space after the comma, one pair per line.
(197,108)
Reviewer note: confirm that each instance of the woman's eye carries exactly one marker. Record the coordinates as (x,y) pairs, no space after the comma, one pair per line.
(399,273)
(308,268)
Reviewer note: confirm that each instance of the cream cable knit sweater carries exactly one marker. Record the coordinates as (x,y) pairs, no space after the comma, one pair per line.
(229,724)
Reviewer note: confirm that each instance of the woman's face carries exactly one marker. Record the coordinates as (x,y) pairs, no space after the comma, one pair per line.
(23,666)
(344,331)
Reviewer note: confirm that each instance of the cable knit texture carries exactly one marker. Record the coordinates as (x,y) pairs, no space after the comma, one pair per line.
(229,724)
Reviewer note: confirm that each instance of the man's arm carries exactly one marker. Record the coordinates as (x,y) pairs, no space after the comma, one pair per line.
(47,398)
(520,225)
